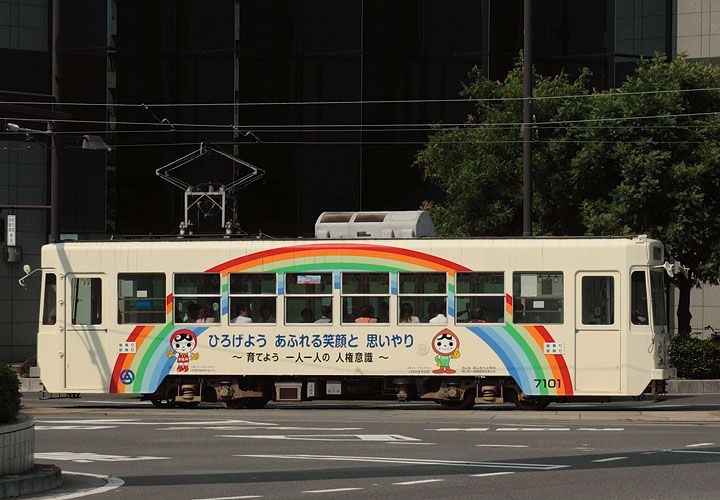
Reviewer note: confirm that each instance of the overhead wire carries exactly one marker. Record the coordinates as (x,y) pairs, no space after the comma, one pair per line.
(369,102)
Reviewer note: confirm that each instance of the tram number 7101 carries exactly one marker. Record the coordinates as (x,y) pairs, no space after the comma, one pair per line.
(548,382)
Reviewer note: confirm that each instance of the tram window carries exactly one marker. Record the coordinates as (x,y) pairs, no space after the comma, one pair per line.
(308,298)
(480,297)
(365,297)
(538,297)
(86,297)
(197,297)
(598,300)
(49,316)
(638,298)
(253,298)
(141,298)
(657,294)
(422,296)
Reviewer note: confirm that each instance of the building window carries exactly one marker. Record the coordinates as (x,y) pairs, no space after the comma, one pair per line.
(141,298)
(253,298)
(197,298)
(480,297)
(365,298)
(538,297)
(422,298)
(308,298)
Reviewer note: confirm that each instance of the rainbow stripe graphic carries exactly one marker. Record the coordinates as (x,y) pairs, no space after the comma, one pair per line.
(519,348)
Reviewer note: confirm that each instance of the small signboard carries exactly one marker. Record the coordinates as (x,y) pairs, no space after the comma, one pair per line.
(11,230)
(308,279)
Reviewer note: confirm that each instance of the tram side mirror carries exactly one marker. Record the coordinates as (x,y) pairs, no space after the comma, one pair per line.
(669,269)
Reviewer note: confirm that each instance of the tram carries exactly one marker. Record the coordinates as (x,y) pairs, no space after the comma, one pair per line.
(363,311)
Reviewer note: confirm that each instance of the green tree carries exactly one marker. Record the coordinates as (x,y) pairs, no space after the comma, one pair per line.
(479,165)
(639,159)
(667,167)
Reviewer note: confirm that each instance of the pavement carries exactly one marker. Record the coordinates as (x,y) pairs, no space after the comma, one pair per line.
(45,477)
(38,479)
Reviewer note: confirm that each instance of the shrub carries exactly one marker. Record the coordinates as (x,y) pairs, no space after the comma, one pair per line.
(9,393)
(695,358)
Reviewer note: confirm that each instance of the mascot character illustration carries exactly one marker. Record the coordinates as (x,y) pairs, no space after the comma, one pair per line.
(447,346)
(182,343)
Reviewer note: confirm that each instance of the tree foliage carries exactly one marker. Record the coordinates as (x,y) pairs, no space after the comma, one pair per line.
(643,158)
(9,394)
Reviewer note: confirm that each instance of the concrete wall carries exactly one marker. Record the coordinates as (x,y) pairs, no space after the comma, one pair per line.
(17,446)
(698,28)
(705,310)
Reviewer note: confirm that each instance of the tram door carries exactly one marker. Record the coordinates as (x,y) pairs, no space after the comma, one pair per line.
(86,359)
(597,332)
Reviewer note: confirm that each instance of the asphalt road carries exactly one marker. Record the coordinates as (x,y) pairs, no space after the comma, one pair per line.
(624,450)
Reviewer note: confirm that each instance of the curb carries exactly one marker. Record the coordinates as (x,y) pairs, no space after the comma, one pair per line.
(39,478)
(693,386)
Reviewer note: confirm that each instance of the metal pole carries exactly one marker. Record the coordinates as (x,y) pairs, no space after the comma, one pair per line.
(527,120)
(54,160)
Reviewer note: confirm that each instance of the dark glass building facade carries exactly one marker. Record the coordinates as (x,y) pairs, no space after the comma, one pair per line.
(332,99)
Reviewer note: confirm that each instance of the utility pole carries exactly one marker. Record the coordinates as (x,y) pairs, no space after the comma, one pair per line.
(527,129)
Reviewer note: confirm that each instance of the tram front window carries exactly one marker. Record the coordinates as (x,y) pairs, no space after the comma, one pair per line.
(657,295)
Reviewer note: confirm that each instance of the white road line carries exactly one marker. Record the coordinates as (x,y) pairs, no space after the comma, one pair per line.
(326,437)
(336,490)
(491,474)
(698,445)
(422,481)
(503,445)
(250,428)
(413,461)
(73,427)
(697,451)
(92,457)
(458,429)
(611,459)
(111,484)
(407,442)
(230,498)
(602,429)
(526,429)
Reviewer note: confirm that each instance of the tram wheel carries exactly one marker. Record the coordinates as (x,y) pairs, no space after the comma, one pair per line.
(188,404)
(467,402)
(256,403)
(159,402)
(235,404)
(530,402)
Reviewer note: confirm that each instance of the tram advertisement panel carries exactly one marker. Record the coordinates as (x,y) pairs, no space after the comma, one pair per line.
(345,309)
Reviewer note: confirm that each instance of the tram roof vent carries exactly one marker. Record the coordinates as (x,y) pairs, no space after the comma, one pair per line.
(346,225)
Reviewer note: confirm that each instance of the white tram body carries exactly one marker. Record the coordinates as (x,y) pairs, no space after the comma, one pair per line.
(530,320)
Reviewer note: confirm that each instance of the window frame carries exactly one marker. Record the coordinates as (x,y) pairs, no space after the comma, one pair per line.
(322,297)
(181,296)
(527,320)
(580,301)
(248,298)
(470,295)
(163,300)
(385,296)
(402,298)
